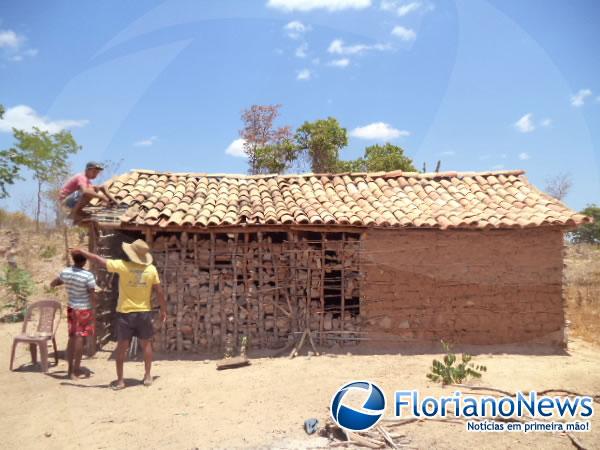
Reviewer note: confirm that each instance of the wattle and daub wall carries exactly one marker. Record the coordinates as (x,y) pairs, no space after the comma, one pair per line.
(477,287)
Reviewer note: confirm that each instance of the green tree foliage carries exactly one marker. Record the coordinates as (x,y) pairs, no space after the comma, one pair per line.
(9,169)
(590,232)
(45,154)
(448,373)
(276,157)
(321,142)
(379,158)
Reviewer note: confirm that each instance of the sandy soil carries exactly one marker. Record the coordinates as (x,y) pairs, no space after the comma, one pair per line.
(192,405)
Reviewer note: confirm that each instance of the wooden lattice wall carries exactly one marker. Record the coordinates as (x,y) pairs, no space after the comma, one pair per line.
(262,285)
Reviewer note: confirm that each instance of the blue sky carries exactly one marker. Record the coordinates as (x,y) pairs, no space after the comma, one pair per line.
(481,85)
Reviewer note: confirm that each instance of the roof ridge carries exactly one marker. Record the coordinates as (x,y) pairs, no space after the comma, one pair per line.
(391,174)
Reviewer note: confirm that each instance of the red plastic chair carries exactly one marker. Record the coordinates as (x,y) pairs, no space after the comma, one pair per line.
(44,311)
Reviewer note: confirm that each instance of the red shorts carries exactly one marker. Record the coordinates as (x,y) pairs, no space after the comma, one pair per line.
(81,322)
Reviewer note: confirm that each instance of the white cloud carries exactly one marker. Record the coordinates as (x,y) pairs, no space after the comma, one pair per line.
(236,148)
(23,117)
(12,46)
(524,156)
(309,5)
(546,122)
(296,29)
(448,153)
(378,131)
(146,142)
(343,62)
(10,39)
(406,34)
(304,74)
(579,98)
(301,51)
(498,167)
(525,123)
(403,9)
(337,47)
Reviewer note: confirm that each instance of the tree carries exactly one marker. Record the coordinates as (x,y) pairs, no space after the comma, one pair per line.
(259,135)
(45,154)
(52,194)
(276,157)
(379,158)
(559,185)
(590,232)
(9,169)
(322,141)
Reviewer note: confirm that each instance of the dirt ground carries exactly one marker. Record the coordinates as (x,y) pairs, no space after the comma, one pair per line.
(192,405)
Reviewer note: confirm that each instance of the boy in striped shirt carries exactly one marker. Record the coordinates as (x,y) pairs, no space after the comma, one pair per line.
(80,285)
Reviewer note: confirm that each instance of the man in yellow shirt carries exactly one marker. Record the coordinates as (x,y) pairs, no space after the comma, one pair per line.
(137,279)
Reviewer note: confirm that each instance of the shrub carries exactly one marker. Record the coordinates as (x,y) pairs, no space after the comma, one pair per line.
(20,285)
(49,251)
(447,373)
(590,232)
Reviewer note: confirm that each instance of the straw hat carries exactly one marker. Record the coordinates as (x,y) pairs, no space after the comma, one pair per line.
(138,252)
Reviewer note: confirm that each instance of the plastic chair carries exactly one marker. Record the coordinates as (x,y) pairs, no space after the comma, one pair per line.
(43,332)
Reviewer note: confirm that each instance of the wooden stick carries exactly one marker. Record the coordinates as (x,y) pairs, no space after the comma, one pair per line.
(246,287)
(322,288)
(364,441)
(276,306)
(386,436)
(294,274)
(342,290)
(261,320)
(299,346)
(179,316)
(234,294)
(196,319)
(222,311)
(211,291)
(312,342)
(165,283)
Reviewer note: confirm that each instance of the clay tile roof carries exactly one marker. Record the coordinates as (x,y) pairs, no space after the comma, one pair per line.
(444,200)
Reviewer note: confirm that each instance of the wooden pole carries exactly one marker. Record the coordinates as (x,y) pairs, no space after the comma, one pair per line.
(234,293)
(261,321)
(211,290)
(342,290)
(322,287)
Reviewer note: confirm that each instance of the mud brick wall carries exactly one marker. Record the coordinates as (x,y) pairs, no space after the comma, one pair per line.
(475,287)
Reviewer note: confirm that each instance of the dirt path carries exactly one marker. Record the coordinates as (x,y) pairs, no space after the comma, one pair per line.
(192,405)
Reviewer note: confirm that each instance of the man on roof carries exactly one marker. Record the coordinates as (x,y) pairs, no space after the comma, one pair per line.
(79,190)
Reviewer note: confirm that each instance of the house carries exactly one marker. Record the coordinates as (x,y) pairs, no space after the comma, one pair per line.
(466,257)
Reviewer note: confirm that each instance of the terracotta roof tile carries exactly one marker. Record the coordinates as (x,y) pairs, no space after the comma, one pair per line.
(442,200)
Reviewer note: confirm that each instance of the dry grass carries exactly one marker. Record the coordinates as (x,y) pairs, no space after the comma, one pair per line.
(582,290)
(42,254)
